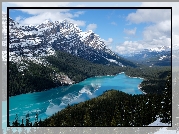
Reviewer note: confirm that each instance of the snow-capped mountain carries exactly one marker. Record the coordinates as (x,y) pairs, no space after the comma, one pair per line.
(34,42)
(160,49)
(160,56)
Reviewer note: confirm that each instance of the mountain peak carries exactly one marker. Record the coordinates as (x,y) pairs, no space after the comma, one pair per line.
(90,31)
(47,21)
(66,21)
(46,38)
(159,49)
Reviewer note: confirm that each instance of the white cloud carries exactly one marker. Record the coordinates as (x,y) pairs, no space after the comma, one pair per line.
(135,46)
(149,15)
(78,13)
(53,15)
(114,23)
(130,31)
(18,19)
(156,33)
(175,19)
(91,27)
(40,11)
(108,42)
(129,47)
(40,15)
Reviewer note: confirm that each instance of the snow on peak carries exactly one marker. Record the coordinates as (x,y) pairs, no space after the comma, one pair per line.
(47,22)
(90,31)
(83,35)
(66,21)
(59,32)
(163,57)
(159,49)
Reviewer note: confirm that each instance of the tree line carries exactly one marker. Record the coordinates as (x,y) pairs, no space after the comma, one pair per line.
(77,69)
(113,108)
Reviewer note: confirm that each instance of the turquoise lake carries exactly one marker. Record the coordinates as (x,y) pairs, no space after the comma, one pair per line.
(48,102)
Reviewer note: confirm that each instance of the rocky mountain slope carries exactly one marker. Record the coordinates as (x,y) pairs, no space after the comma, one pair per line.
(160,56)
(34,42)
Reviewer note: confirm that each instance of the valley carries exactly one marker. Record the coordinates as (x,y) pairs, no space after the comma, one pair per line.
(59,56)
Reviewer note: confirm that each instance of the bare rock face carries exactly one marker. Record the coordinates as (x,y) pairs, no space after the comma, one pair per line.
(35,42)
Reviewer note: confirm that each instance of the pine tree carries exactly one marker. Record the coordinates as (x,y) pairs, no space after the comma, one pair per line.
(36,120)
(116,120)
(167,102)
(113,122)
(22,125)
(27,120)
(87,119)
(16,123)
(40,123)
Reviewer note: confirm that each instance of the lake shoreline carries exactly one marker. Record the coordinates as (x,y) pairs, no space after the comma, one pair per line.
(54,100)
(65,84)
(139,87)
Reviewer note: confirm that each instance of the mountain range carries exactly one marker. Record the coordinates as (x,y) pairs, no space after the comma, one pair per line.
(160,56)
(56,54)
(35,42)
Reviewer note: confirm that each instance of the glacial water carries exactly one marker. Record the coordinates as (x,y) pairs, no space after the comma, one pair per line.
(48,102)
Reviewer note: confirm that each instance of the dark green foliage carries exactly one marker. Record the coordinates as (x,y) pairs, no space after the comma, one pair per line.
(154,77)
(114,108)
(166,112)
(16,123)
(79,69)
(37,77)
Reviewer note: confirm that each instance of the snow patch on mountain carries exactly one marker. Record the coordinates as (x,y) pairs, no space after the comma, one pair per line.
(163,57)
(160,49)
(44,39)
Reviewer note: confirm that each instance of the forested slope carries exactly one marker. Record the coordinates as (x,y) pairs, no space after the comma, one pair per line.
(113,108)
(28,76)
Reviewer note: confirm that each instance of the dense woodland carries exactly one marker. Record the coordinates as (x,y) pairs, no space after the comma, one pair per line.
(76,69)
(113,108)
(154,77)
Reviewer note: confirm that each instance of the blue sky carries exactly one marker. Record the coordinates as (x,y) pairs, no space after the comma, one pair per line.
(107,23)
(123,30)
(124,46)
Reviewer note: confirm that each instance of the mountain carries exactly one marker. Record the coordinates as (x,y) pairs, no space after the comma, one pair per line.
(160,56)
(56,54)
(35,42)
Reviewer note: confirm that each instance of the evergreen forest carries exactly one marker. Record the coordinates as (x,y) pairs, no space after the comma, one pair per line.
(112,108)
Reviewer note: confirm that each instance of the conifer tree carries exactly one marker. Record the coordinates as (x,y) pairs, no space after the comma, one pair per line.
(87,120)
(36,120)
(16,123)
(167,102)
(27,124)
(22,124)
